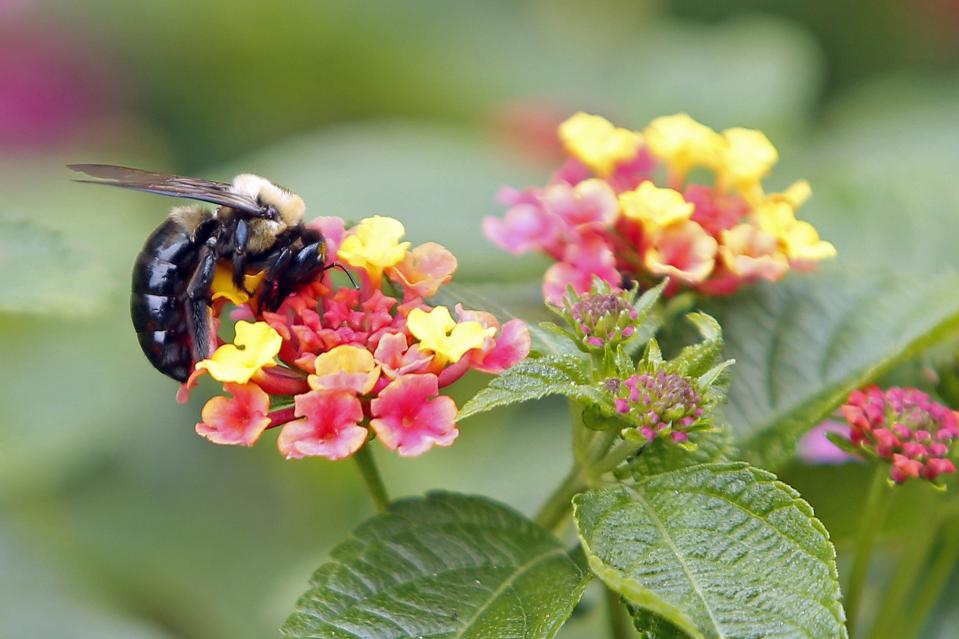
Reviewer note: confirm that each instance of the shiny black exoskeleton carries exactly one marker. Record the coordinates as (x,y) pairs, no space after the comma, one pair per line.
(170,301)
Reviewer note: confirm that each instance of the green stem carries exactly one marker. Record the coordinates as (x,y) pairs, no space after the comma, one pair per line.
(559,504)
(873,516)
(935,581)
(908,570)
(371,475)
(618,629)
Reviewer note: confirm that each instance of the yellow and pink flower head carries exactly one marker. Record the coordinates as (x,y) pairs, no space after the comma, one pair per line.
(626,207)
(337,365)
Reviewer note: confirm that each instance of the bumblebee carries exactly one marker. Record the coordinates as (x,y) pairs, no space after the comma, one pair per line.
(257,227)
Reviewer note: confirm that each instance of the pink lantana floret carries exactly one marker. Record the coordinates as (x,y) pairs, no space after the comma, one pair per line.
(905,427)
(410,417)
(237,420)
(396,357)
(329,426)
(425,269)
(589,257)
(525,227)
(333,230)
(589,203)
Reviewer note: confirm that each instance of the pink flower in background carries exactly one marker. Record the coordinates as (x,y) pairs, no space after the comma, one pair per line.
(589,255)
(591,203)
(526,227)
(904,427)
(51,85)
(715,213)
(683,251)
(604,214)
(815,447)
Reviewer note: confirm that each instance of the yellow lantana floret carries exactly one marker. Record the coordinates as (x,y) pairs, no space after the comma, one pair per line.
(683,143)
(747,157)
(597,143)
(374,245)
(441,335)
(345,367)
(799,240)
(655,207)
(795,195)
(223,286)
(255,346)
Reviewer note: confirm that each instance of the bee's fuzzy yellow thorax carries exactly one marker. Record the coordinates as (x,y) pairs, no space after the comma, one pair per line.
(289,205)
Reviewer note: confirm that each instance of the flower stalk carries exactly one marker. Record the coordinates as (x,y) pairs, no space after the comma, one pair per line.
(372,479)
(618,628)
(934,582)
(874,514)
(558,505)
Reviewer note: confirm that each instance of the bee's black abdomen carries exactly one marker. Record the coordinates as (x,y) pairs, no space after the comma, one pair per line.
(157,299)
(168,351)
(152,276)
(155,312)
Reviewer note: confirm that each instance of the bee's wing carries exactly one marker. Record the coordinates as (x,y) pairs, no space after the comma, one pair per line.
(165,184)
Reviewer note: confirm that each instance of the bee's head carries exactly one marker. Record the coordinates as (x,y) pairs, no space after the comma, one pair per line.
(290,206)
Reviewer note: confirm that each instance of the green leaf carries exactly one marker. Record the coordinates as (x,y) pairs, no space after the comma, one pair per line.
(535,378)
(42,272)
(697,359)
(442,566)
(718,550)
(802,345)
(652,626)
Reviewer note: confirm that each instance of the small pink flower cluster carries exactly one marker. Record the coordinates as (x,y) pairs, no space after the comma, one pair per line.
(604,215)
(658,404)
(335,363)
(905,427)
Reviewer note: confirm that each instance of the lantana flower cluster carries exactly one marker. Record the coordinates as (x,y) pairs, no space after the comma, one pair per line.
(336,365)
(650,398)
(659,404)
(601,319)
(904,427)
(633,206)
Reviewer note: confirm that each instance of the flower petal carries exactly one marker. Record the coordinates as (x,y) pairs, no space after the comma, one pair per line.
(237,420)
(425,269)
(410,418)
(329,426)
(255,346)
(346,367)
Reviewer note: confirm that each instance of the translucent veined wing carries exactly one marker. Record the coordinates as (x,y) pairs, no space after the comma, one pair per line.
(171,185)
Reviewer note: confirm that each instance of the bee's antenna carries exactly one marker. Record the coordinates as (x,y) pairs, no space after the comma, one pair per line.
(348,274)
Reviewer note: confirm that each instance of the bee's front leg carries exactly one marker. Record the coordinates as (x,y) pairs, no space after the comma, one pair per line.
(275,268)
(198,315)
(240,239)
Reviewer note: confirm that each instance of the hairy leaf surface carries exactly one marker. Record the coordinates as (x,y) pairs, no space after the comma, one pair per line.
(802,345)
(535,378)
(445,566)
(717,550)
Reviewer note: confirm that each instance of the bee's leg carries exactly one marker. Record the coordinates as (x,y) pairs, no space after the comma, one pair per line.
(198,316)
(241,237)
(277,265)
(302,267)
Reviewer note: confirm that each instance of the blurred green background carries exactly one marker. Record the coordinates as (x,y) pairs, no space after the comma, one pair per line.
(115,519)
